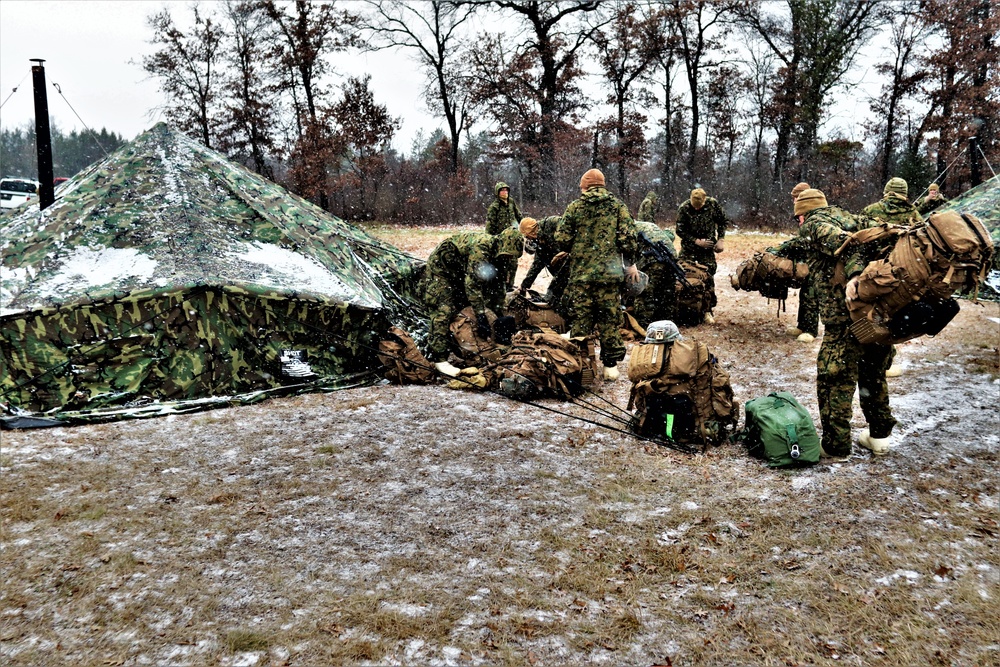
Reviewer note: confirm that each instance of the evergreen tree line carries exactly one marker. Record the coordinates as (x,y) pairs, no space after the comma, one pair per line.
(71,152)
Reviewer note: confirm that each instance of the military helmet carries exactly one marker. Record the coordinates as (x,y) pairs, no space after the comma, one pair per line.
(510,242)
(662,331)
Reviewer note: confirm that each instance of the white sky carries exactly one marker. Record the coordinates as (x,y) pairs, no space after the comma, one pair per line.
(88,46)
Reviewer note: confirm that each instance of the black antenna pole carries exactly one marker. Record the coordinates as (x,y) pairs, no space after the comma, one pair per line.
(43,137)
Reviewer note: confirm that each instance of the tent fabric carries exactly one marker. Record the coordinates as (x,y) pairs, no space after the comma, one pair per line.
(167,277)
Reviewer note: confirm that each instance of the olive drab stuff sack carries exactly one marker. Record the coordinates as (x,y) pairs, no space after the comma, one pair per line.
(402,360)
(779,430)
(926,265)
(688,400)
(770,275)
(693,299)
(543,363)
(467,343)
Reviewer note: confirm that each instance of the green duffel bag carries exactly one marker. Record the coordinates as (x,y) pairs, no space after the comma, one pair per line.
(781,431)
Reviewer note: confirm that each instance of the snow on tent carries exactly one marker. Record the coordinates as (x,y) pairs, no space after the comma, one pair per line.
(983,201)
(168,279)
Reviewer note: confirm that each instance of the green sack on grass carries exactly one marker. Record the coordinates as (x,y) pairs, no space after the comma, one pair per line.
(781,431)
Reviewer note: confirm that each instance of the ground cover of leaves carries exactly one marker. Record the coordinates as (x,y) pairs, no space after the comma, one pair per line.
(428,526)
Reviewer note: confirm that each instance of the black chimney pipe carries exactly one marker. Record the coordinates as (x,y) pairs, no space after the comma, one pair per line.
(43,137)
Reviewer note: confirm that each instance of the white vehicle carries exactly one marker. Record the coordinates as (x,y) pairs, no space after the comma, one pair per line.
(17,191)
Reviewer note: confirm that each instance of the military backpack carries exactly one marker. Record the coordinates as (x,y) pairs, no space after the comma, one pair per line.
(467,343)
(680,391)
(908,292)
(770,275)
(543,363)
(693,299)
(402,360)
(531,311)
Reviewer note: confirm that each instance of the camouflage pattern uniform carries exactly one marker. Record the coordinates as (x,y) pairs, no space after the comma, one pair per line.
(893,209)
(597,230)
(647,209)
(808,315)
(708,222)
(843,363)
(546,249)
(501,215)
(659,300)
(461,271)
(926,205)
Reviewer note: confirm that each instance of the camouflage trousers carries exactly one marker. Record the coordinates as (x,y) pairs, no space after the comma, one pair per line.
(808,319)
(443,300)
(659,300)
(590,306)
(843,365)
(707,258)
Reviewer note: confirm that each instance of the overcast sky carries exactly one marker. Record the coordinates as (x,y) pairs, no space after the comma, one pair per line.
(90,47)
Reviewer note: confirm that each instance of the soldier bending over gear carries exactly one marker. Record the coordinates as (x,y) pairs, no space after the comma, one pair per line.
(843,363)
(541,237)
(701,226)
(659,300)
(597,231)
(471,268)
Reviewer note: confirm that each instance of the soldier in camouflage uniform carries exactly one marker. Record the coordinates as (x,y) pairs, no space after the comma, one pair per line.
(807,324)
(647,209)
(843,363)
(659,300)
(467,269)
(894,207)
(597,231)
(503,212)
(546,252)
(933,201)
(701,226)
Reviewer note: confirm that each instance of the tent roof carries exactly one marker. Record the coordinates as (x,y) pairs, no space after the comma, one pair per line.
(982,201)
(164,212)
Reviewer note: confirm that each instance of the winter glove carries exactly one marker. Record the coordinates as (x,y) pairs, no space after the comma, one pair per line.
(720,245)
(483,326)
(703,243)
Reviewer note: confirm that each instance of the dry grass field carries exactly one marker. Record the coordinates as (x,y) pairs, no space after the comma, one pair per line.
(428,526)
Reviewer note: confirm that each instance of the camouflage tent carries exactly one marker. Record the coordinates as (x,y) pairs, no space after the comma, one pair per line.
(167,278)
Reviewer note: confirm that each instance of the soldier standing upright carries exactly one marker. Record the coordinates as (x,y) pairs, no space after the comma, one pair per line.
(467,269)
(932,201)
(843,364)
(894,207)
(701,226)
(598,232)
(503,212)
(807,324)
(647,209)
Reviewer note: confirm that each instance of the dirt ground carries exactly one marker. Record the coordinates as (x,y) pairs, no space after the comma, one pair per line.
(428,526)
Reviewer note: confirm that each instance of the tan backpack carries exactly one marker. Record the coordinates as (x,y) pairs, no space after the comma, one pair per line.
(402,360)
(470,346)
(908,293)
(530,311)
(690,399)
(770,275)
(693,299)
(543,363)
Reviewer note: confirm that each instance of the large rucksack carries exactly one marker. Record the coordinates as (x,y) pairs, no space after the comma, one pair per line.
(543,363)
(531,311)
(680,391)
(693,299)
(908,293)
(468,345)
(770,275)
(402,360)
(779,430)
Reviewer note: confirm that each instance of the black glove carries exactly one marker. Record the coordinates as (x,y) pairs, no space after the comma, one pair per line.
(483,326)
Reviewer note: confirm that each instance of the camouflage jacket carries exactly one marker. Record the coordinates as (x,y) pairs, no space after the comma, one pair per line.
(894,210)
(652,232)
(926,205)
(647,209)
(469,259)
(544,252)
(822,233)
(709,222)
(597,231)
(500,215)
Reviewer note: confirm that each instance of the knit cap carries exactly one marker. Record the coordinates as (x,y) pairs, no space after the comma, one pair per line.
(592,178)
(799,189)
(809,200)
(897,185)
(529,227)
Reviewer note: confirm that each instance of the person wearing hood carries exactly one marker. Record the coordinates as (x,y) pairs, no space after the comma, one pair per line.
(843,364)
(467,269)
(701,226)
(597,233)
(647,209)
(503,212)
(894,207)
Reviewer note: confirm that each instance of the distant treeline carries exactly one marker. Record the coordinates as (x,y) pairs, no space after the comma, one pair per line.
(70,152)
